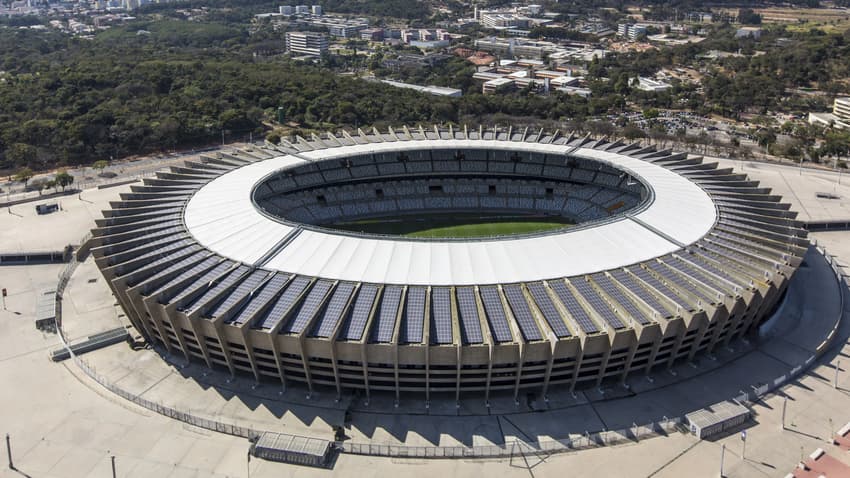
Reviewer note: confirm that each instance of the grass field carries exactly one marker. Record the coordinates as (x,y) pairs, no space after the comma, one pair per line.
(456,226)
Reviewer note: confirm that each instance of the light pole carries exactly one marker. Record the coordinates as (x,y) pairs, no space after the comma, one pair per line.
(829,436)
(112,458)
(834,383)
(784,405)
(9,452)
(722,455)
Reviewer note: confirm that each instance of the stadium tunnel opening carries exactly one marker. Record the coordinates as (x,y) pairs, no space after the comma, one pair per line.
(457,193)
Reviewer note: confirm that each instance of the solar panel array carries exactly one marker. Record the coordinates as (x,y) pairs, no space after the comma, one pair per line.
(624,278)
(353,328)
(240,292)
(441,315)
(326,324)
(662,288)
(596,302)
(470,325)
(522,314)
(385,319)
(308,308)
(284,302)
(573,307)
(218,288)
(707,265)
(188,274)
(260,298)
(678,280)
(499,327)
(687,269)
(177,266)
(616,294)
(140,275)
(158,252)
(214,273)
(547,308)
(414,316)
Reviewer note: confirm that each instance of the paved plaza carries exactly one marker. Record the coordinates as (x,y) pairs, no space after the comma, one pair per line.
(63,424)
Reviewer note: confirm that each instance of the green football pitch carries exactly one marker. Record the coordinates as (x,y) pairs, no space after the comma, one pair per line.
(455,226)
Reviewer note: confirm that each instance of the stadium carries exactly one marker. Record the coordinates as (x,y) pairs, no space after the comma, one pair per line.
(447,262)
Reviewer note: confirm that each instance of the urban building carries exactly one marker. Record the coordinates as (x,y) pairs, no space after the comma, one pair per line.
(631,31)
(839,117)
(306,43)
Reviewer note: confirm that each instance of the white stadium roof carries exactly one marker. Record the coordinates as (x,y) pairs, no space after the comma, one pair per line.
(223,218)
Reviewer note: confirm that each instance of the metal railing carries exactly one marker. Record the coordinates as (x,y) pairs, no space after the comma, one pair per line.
(185,417)
(635,433)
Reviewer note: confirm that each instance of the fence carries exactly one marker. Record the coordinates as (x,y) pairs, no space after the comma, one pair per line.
(169,412)
(519,447)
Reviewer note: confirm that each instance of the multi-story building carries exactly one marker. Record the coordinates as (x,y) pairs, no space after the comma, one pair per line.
(841,108)
(631,31)
(306,43)
(839,118)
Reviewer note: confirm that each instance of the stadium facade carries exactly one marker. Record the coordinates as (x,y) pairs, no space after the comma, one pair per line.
(228,260)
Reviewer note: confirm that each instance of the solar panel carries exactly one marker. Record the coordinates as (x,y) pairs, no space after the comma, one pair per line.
(215,289)
(630,283)
(414,316)
(140,275)
(718,247)
(678,280)
(241,291)
(260,298)
(353,328)
(156,252)
(117,257)
(617,295)
(522,313)
(547,308)
(441,315)
(177,266)
(596,302)
(284,302)
(495,314)
(182,292)
(701,261)
(648,278)
(308,308)
(187,274)
(333,312)
(382,329)
(697,275)
(727,258)
(145,238)
(470,326)
(573,307)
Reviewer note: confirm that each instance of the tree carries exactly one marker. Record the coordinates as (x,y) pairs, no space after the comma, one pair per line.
(24,175)
(273,138)
(765,137)
(63,179)
(39,184)
(20,154)
(100,165)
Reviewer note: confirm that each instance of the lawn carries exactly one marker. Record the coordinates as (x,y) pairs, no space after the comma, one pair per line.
(457,226)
